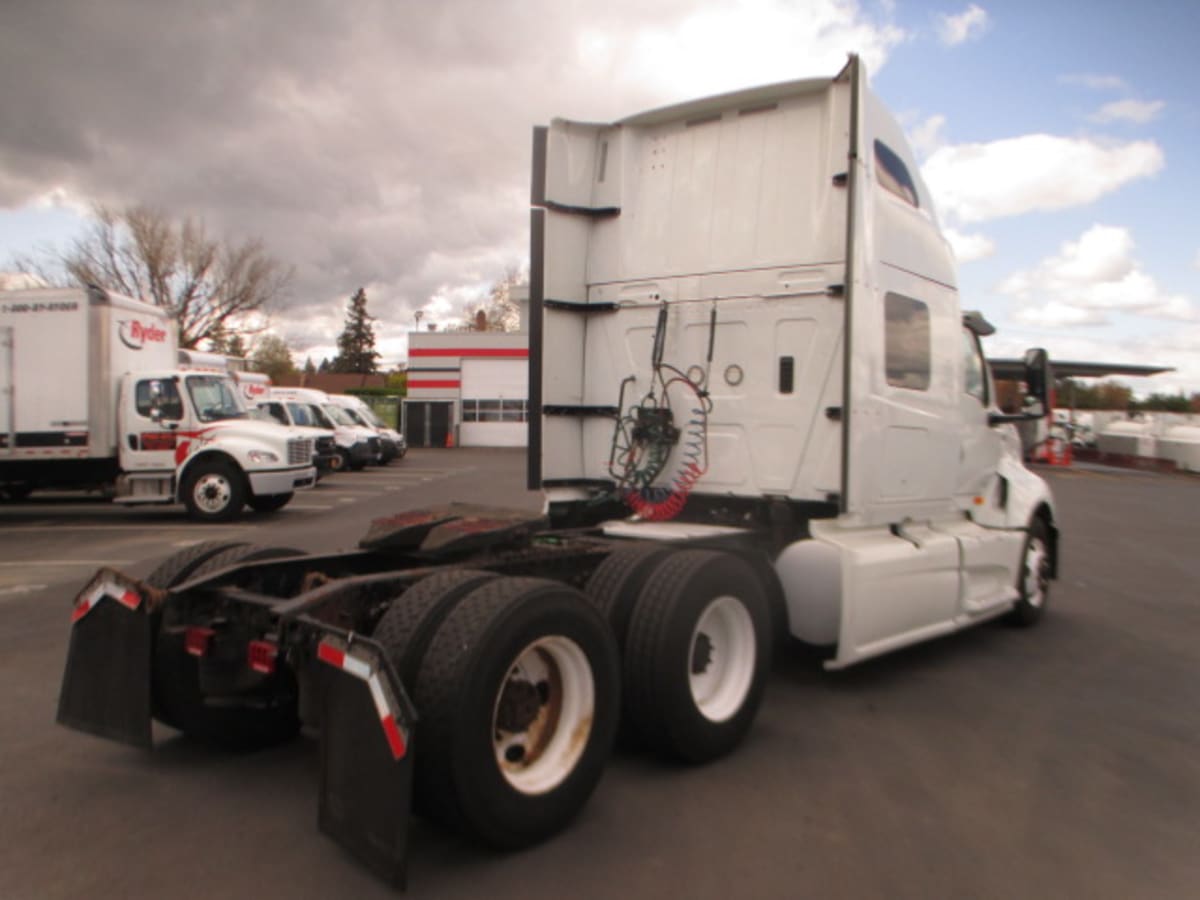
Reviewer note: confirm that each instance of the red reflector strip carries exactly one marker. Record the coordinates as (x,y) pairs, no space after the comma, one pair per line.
(127,598)
(196,639)
(261,656)
(361,669)
(395,737)
(331,655)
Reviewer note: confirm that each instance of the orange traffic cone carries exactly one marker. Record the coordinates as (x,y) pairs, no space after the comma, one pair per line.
(450,440)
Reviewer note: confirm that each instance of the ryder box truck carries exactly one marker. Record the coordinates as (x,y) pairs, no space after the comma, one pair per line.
(93,395)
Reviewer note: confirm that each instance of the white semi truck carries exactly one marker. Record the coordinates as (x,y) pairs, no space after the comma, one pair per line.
(392,443)
(355,445)
(93,394)
(756,407)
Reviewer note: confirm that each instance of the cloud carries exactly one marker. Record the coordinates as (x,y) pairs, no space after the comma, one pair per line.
(1096,82)
(1058,315)
(926,136)
(1090,278)
(969,247)
(389,146)
(1137,111)
(1179,348)
(1036,172)
(968,25)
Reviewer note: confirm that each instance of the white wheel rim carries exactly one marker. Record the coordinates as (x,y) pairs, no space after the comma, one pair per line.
(721,658)
(1035,573)
(212,492)
(538,742)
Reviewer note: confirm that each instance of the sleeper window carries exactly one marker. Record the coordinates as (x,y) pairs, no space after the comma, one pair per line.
(907,342)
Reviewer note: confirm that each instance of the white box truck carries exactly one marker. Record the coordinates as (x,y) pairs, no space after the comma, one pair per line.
(92,395)
(756,407)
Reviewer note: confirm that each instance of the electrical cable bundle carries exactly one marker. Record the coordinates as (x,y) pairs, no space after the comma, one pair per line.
(646,436)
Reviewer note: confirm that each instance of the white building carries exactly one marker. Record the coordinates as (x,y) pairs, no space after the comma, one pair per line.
(471,387)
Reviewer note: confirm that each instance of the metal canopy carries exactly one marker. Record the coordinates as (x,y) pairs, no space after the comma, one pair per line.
(1015,368)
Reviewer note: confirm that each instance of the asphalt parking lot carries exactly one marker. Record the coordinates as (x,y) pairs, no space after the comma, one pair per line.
(1055,762)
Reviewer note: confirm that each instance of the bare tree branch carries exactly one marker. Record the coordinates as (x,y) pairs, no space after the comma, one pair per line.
(207,286)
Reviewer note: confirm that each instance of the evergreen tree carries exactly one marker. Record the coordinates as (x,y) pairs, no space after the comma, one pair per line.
(309,368)
(356,343)
(325,365)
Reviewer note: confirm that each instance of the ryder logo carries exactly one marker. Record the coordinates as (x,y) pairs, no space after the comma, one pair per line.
(135,335)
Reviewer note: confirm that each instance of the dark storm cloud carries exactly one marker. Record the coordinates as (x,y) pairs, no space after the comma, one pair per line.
(383,144)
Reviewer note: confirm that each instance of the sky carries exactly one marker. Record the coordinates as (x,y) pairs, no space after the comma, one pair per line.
(386,143)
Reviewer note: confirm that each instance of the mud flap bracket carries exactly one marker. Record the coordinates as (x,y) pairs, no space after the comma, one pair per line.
(106,683)
(366,754)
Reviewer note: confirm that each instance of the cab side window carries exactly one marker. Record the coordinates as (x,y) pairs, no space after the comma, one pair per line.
(974,372)
(275,411)
(160,393)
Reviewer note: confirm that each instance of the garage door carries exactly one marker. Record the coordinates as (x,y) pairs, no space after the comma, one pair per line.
(495,396)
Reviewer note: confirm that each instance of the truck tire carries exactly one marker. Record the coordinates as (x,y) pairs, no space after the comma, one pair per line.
(697,655)
(1033,578)
(178,567)
(270,716)
(614,586)
(214,491)
(270,503)
(518,703)
(337,462)
(408,626)
(16,491)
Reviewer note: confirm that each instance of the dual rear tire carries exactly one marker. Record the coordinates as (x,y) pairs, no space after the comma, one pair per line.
(695,628)
(516,682)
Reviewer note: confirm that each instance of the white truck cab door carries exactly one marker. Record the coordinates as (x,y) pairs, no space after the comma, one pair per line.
(980,445)
(153,421)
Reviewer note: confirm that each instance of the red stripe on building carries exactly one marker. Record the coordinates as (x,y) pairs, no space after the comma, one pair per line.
(511,352)
(422,383)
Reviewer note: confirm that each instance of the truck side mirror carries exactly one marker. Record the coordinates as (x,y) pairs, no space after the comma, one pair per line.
(1037,379)
(156,401)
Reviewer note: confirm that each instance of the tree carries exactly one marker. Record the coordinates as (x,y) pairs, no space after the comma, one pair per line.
(356,343)
(1079,395)
(309,368)
(273,358)
(227,343)
(500,312)
(204,284)
(236,346)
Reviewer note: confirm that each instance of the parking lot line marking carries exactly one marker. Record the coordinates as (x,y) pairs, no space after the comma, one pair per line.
(311,505)
(21,589)
(155,526)
(68,562)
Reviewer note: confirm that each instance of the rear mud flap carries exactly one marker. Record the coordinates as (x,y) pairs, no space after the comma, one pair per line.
(366,756)
(106,684)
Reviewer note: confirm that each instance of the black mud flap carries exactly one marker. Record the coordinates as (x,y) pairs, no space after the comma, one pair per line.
(366,756)
(106,684)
